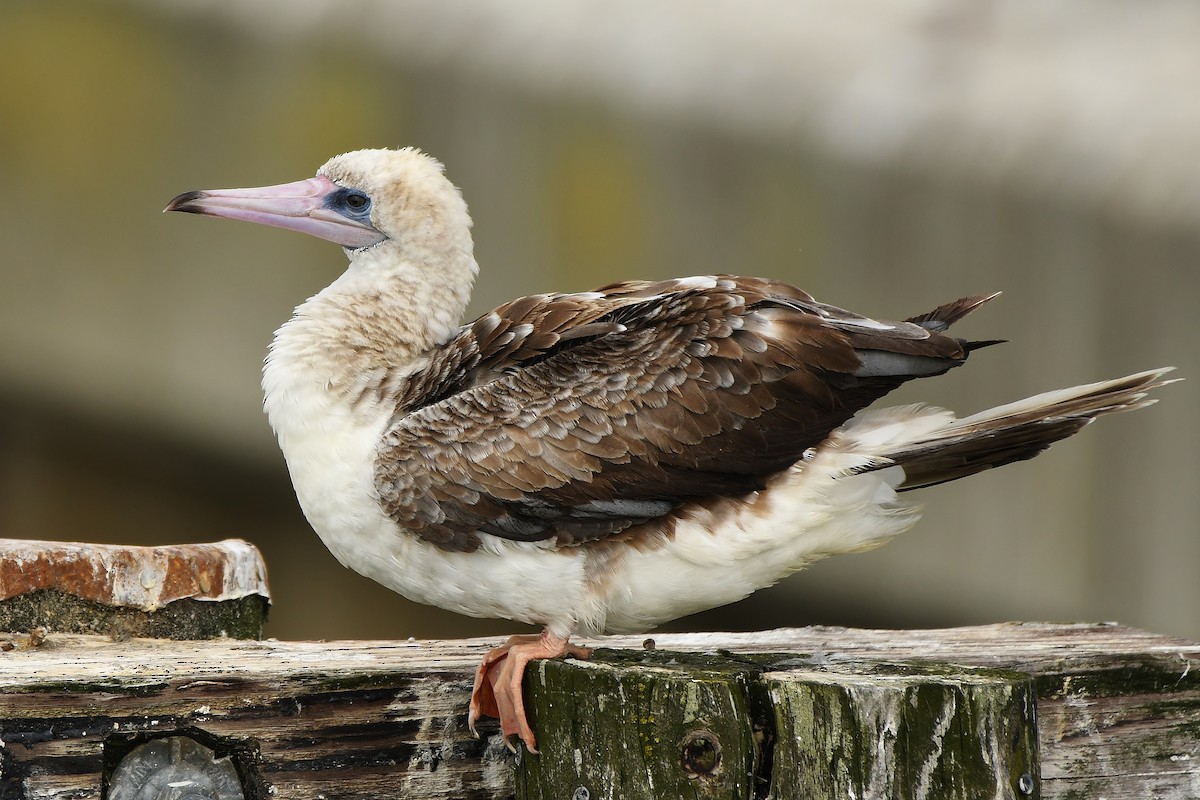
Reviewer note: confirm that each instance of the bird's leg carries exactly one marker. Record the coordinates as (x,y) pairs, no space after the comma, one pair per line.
(497,691)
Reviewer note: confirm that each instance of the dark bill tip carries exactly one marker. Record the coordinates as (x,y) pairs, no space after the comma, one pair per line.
(186,203)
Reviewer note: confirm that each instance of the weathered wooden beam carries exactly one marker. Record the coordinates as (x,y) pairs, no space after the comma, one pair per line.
(904,732)
(656,725)
(1117,715)
(717,726)
(188,591)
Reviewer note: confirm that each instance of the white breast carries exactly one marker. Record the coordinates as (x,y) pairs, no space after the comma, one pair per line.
(330,447)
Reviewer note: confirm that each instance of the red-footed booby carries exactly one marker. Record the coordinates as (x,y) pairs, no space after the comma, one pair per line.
(596,461)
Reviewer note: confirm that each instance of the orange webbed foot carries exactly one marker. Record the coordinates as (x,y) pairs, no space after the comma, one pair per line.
(498,691)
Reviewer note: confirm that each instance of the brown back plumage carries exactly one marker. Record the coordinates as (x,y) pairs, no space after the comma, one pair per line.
(577,416)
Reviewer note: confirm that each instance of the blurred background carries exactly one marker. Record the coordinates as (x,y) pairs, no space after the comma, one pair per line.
(885,156)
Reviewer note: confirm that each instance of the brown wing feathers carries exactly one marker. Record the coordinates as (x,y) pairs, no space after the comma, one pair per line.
(576,416)
(1018,431)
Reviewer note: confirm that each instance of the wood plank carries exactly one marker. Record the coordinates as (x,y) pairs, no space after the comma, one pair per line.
(1118,709)
(720,726)
(187,591)
(904,733)
(643,726)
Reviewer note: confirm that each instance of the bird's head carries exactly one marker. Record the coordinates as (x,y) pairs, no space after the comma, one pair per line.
(363,200)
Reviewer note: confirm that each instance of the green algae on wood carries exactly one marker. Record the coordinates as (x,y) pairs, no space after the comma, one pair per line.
(899,733)
(630,725)
(1118,712)
(187,618)
(659,725)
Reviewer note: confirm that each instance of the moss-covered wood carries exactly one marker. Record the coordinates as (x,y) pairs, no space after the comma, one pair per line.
(1117,711)
(904,732)
(641,727)
(187,591)
(667,724)
(187,618)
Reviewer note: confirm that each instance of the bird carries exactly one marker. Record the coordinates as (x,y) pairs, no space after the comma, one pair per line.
(599,461)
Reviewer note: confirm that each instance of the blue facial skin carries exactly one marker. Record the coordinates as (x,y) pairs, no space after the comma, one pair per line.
(350,203)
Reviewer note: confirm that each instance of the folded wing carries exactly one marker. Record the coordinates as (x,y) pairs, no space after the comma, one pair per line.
(574,417)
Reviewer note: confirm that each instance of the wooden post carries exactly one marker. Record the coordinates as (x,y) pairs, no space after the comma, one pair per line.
(904,732)
(189,591)
(713,726)
(948,714)
(645,726)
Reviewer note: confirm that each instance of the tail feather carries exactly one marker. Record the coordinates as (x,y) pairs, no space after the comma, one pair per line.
(942,317)
(1016,431)
(890,353)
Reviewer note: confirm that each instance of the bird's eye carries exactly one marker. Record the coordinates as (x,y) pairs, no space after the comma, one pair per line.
(357,201)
